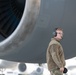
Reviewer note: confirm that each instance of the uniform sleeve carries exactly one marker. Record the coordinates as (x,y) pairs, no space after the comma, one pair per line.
(54,51)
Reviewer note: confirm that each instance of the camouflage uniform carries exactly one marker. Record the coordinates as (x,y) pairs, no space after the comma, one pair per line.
(55,57)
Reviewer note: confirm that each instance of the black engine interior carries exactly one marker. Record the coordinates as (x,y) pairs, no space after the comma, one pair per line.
(10,15)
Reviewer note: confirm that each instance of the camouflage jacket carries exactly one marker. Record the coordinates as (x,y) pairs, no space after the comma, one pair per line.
(55,55)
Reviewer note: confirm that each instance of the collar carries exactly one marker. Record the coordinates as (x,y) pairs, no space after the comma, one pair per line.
(55,39)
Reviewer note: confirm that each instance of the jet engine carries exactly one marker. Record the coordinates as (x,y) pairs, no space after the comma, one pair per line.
(26,27)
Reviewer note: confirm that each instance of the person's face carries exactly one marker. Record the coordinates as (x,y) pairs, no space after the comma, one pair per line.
(59,34)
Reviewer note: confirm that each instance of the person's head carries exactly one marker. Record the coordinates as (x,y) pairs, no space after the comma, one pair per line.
(58,33)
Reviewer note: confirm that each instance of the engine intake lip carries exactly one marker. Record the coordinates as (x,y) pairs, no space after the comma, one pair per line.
(24,29)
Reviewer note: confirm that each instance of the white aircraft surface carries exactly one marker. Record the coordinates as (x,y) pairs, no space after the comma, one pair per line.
(11,68)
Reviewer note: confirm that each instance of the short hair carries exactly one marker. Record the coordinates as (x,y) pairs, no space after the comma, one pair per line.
(58,28)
